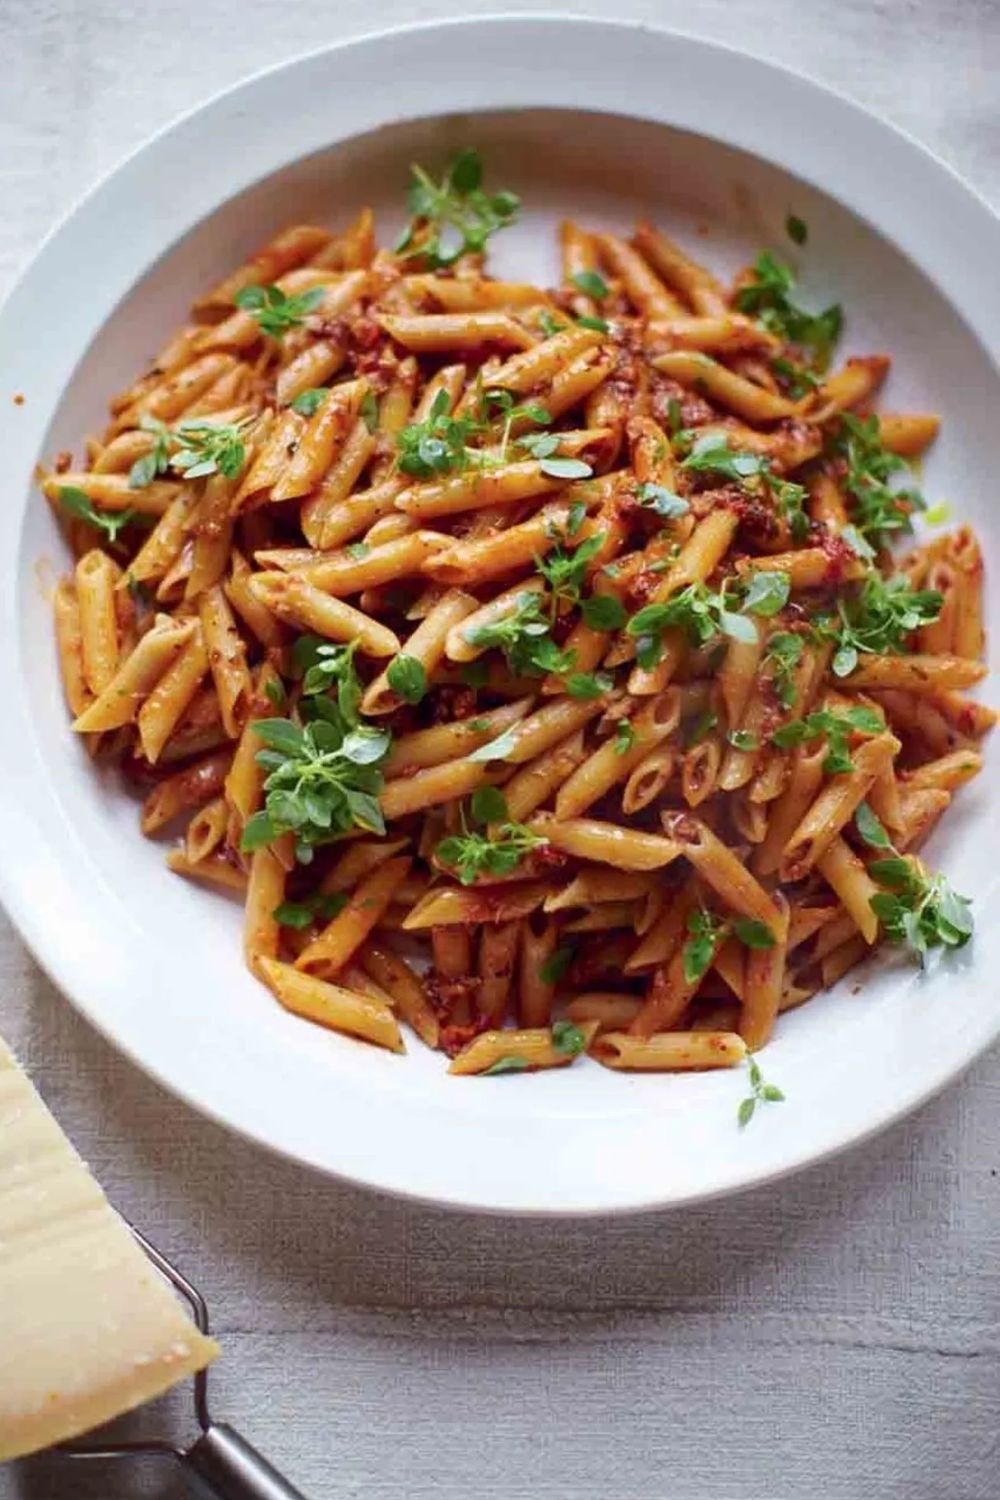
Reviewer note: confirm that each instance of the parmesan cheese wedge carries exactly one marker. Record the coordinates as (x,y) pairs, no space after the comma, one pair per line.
(88,1328)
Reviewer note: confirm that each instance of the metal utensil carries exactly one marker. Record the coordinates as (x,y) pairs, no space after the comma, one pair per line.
(221,1461)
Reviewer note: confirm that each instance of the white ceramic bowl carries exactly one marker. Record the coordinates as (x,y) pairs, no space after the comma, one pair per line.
(606,121)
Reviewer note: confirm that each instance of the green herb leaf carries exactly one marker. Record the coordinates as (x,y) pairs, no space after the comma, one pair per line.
(407,678)
(589,684)
(75,503)
(497,749)
(325,666)
(275,691)
(592,284)
(753,934)
(877,618)
(488,805)
(440,444)
(565,468)
(368,411)
(552,969)
(475,855)
(664,502)
(796,229)
(205,447)
(156,461)
(321,906)
(784,652)
(768,297)
(762,1093)
(275,311)
(745,1112)
(568,1038)
(321,780)
(523,637)
(599,325)
(706,933)
(603,612)
(877,509)
(712,454)
(837,727)
(506,1065)
(742,739)
(624,737)
(307,403)
(767,593)
(870,828)
(457,213)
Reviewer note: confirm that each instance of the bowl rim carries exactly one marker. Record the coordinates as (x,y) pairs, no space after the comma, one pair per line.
(889,188)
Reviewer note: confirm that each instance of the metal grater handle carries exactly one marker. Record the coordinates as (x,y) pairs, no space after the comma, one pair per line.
(229,1468)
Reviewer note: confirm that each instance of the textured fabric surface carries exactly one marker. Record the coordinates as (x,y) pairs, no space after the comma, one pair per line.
(837,1335)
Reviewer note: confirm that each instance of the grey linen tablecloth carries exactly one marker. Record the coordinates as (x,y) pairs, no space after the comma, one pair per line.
(834,1336)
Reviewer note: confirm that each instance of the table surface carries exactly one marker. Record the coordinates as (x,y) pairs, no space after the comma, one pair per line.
(837,1334)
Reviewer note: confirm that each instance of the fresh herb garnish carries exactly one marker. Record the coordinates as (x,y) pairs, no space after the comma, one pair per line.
(274,310)
(500,403)
(321,906)
(592,284)
(307,403)
(565,571)
(657,498)
(797,229)
(274,689)
(878,510)
(743,739)
(488,805)
(157,460)
(407,678)
(506,1065)
(767,593)
(917,909)
(323,780)
(753,934)
(797,380)
(603,612)
(552,969)
(761,1093)
(589,684)
(455,216)
(497,749)
(439,444)
(624,737)
(698,611)
(322,666)
(470,855)
(540,444)
(711,454)
(368,411)
(208,448)
(706,933)
(523,637)
(75,503)
(789,501)
(568,1038)
(768,298)
(837,727)
(784,652)
(877,619)
(599,325)
(565,468)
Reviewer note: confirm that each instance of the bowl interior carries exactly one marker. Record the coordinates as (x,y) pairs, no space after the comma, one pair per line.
(604,170)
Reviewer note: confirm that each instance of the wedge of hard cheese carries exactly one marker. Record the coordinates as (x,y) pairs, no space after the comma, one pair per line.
(88,1328)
